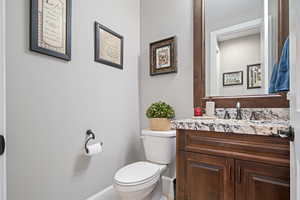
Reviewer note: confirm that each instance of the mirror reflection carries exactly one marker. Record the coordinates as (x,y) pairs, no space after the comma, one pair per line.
(241,39)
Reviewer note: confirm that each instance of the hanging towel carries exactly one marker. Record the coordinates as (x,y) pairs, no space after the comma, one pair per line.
(273,79)
(280,79)
(283,77)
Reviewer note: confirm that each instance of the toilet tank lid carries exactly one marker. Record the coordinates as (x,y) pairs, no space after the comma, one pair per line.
(166,134)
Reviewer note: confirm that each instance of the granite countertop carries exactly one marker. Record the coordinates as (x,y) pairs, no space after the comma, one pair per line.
(251,127)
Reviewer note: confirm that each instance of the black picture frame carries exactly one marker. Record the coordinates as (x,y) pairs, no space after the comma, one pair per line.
(232,84)
(171,43)
(34,34)
(98,27)
(248,76)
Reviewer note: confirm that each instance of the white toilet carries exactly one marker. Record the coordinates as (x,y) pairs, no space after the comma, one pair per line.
(142,180)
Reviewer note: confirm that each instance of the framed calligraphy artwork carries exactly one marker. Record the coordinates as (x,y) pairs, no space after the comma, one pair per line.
(50,31)
(108,46)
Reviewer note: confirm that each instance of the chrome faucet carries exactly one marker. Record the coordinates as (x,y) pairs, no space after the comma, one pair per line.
(238,111)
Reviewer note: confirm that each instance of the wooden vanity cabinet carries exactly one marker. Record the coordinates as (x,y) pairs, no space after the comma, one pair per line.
(255,181)
(209,177)
(218,166)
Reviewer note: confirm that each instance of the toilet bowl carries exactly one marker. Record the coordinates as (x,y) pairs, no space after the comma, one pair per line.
(142,180)
(139,180)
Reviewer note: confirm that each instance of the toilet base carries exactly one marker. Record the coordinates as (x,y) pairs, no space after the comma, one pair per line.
(164,198)
(156,194)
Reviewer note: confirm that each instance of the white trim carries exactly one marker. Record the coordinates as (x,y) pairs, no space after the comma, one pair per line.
(106,194)
(295,97)
(168,187)
(235,30)
(266,48)
(215,67)
(109,193)
(2,91)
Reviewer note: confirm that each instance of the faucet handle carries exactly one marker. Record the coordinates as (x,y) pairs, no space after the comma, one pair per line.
(226,115)
(253,116)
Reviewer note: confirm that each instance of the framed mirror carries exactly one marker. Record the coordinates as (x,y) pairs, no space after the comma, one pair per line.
(236,45)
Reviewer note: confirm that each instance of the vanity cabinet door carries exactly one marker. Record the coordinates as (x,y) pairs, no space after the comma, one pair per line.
(255,181)
(209,177)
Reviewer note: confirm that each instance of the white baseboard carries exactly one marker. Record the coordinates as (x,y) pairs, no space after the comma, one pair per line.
(106,194)
(110,194)
(168,187)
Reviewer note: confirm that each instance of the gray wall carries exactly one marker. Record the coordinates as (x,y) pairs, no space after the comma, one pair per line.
(2,97)
(159,20)
(235,55)
(51,103)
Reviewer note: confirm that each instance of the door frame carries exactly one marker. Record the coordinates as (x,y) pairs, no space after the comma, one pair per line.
(232,32)
(3,97)
(294,96)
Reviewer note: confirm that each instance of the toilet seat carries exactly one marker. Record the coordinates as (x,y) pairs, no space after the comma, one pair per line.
(137,173)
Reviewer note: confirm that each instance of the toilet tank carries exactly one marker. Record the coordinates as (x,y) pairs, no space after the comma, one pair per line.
(159,146)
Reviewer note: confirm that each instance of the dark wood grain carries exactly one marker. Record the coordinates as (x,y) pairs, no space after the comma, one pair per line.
(283,25)
(266,149)
(209,177)
(199,52)
(256,101)
(256,181)
(253,101)
(204,155)
(181,175)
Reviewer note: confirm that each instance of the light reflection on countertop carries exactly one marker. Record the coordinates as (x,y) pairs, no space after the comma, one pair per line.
(251,127)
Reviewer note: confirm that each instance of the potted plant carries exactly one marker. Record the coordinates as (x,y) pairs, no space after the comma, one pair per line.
(160,115)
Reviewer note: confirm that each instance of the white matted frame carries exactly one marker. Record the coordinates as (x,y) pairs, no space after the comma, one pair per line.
(2,98)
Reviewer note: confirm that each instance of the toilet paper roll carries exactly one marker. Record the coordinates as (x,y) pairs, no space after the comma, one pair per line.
(94,149)
(210,108)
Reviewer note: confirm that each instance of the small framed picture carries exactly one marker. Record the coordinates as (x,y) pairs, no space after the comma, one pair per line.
(108,46)
(163,57)
(50,31)
(254,76)
(233,78)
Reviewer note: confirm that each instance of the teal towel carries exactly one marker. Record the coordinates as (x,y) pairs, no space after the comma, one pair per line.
(273,79)
(280,80)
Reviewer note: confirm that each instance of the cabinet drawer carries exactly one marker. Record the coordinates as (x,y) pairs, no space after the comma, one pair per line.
(245,147)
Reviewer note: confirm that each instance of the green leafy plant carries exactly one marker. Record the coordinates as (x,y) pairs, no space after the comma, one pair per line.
(160,110)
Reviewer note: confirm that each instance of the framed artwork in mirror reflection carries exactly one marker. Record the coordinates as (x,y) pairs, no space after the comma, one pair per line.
(233,78)
(163,57)
(254,76)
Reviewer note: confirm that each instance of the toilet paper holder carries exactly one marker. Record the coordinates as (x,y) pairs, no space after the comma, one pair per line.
(90,136)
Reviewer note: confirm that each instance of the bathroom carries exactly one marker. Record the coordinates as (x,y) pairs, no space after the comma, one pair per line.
(57,100)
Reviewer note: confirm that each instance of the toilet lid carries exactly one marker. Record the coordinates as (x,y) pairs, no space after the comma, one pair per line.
(137,173)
